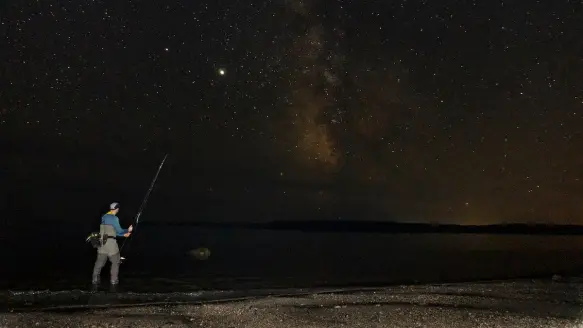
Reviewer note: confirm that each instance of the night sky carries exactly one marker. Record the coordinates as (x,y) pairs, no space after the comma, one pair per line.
(443,111)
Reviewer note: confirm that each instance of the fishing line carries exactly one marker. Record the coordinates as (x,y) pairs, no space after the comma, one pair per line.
(137,221)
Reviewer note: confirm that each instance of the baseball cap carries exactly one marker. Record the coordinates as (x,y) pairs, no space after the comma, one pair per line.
(114,206)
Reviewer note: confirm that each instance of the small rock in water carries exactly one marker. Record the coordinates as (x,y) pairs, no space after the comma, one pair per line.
(202,253)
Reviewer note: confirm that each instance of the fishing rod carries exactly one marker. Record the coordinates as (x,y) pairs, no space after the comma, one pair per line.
(143,204)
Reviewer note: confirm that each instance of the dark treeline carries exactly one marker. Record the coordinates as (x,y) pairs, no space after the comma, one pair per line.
(320,226)
(389,227)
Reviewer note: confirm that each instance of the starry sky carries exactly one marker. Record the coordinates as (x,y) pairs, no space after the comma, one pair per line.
(465,112)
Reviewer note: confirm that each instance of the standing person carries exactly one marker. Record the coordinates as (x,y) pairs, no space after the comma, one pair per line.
(108,249)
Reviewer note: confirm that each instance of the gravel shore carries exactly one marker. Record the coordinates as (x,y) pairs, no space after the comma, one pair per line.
(529,304)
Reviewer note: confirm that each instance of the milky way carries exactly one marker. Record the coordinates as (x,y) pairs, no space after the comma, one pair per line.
(452,112)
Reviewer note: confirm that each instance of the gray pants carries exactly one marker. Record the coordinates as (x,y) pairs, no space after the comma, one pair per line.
(100,263)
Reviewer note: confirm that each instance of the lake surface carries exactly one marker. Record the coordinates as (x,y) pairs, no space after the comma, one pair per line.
(159,258)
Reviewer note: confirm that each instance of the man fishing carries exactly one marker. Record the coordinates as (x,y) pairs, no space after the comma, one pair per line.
(108,249)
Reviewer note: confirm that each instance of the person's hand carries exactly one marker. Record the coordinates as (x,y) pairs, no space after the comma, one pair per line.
(131,228)
(127,234)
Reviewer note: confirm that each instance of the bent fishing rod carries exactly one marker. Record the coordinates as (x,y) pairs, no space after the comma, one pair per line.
(137,221)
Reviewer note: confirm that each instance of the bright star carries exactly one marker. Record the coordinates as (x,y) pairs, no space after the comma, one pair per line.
(222,71)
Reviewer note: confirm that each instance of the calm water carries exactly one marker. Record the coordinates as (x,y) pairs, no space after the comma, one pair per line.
(159,259)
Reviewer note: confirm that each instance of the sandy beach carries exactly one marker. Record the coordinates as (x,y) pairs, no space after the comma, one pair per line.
(496,304)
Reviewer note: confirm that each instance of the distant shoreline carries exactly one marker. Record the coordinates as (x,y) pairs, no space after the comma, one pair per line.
(353,227)
(390,227)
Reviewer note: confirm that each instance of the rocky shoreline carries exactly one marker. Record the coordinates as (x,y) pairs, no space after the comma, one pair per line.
(529,304)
